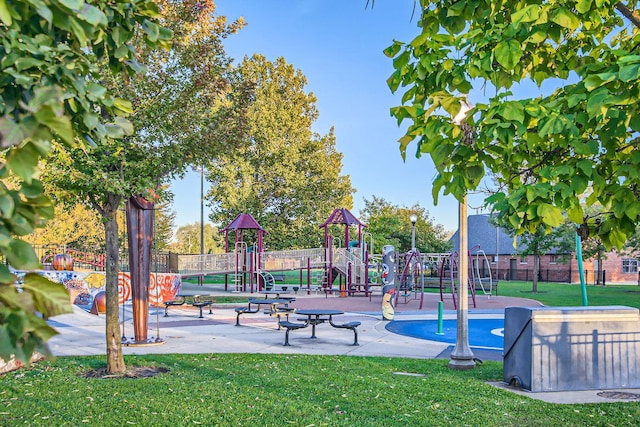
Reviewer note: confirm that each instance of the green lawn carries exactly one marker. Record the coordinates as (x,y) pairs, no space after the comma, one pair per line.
(564,294)
(300,390)
(281,390)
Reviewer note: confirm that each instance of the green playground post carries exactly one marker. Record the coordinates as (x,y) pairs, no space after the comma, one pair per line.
(583,284)
(440,306)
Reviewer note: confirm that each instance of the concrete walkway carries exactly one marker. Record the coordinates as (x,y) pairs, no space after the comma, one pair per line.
(82,333)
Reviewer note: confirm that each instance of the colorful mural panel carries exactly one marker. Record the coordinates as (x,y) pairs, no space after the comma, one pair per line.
(83,286)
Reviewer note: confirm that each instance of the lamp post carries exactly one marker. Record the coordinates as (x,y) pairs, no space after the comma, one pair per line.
(201,211)
(462,356)
(201,168)
(414,219)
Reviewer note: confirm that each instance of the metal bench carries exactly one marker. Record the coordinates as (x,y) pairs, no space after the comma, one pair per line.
(172,303)
(290,326)
(201,301)
(348,325)
(242,310)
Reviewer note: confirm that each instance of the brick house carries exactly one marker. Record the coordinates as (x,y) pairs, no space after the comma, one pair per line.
(507,264)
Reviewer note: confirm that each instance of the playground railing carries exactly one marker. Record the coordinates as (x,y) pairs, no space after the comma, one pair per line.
(292,259)
(207,263)
(342,258)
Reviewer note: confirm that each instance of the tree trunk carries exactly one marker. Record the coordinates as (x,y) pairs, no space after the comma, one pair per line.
(536,272)
(115,358)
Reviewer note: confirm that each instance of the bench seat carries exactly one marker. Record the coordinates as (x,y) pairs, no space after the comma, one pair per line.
(290,326)
(348,325)
(243,310)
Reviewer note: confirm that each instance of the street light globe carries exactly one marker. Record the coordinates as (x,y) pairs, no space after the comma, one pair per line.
(413,218)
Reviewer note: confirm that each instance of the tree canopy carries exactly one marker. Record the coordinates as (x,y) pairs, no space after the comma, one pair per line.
(282,173)
(53,55)
(550,153)
(180,107)
(391,225)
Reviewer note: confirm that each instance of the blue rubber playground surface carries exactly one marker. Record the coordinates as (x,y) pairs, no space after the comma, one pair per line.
(483,333)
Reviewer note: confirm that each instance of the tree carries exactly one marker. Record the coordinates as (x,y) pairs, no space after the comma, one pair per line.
(164,224)
(391,225)
(552,152)
(51,91)
(284,175)
(180,110)
(561,239)
(188,240)
(74,226)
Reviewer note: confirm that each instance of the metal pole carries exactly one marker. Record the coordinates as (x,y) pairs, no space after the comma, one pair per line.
(461,356)
(202,211)
(413,237)
(201,277)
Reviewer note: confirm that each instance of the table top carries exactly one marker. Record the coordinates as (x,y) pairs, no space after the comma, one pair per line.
(268,301)
(275,292)
(319,312)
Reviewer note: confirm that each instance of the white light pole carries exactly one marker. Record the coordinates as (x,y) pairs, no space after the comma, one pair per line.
(414,219)
(462,356)
(201,168)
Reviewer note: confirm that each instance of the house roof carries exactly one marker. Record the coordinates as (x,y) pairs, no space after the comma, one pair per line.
(488,236)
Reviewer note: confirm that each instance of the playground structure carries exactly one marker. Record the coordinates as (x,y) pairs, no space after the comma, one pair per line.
(248,268)
(418,271)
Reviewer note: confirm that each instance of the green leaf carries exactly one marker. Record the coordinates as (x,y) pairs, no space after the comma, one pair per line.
(23,161)
(551,215)
(420,40)
(5,13)
(123,105)
(61,125)
(630,72)
(575,214)
(6,276)
(508,53)
(583,6)
(22,64)
(49,298)
(7,206)
(72,4)
(126,125)
(93,15)
(21,255)
(11,133)
(42,9)
(393,50)
(513,111)
(553,125)
(528,13)
(96,90)
(152,29)
(595,102)
(565,18)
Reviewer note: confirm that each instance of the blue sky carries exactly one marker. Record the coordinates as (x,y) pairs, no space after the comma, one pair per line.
(338,44)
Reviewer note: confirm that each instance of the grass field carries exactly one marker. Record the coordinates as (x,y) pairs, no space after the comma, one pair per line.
(299,390)
(564,294)
(282,390)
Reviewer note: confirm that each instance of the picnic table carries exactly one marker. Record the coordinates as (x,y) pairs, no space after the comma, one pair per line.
(199,301)
(316,317)
(278,294)
(277,307)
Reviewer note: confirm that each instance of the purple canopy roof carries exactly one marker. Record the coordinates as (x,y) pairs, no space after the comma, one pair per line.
(342,216)
(243,221)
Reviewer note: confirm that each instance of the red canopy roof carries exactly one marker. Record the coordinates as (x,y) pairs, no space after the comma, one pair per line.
(243,221)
